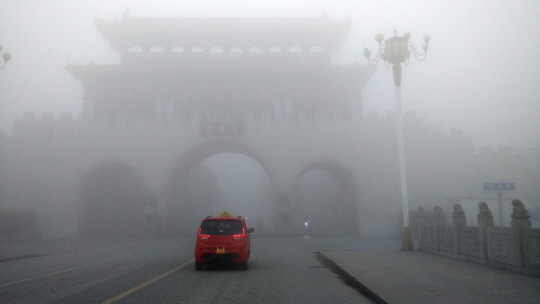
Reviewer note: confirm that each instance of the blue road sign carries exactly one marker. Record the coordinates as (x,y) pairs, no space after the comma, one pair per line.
(499,186)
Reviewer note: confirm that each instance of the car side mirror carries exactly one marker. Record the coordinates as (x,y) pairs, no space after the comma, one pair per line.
(250,230)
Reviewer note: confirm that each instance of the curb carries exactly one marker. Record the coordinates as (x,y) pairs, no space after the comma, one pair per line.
(349,279)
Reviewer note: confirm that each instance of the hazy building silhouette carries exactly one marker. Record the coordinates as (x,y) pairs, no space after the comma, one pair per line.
(190,88)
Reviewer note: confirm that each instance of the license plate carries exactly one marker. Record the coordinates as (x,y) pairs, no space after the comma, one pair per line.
(220,250)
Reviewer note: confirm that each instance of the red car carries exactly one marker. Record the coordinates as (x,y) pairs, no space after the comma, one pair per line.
(223,239)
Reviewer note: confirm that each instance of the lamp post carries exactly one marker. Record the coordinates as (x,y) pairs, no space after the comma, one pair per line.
(5,57)
(393,52)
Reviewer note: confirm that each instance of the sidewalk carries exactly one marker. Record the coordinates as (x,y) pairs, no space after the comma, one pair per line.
(419,277)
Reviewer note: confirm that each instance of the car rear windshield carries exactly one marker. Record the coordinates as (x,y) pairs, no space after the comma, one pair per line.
(221,227)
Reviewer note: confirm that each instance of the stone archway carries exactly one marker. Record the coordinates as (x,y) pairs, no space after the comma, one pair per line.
(338,216)
(113,197)
(180,210)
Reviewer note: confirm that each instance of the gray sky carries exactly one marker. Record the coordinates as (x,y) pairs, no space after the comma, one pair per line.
(482,73)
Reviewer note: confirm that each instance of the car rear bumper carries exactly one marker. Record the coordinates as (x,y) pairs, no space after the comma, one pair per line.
(238,253)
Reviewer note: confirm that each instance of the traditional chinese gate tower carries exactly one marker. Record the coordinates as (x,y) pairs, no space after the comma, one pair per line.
(188,88)
(228,74)
(209,66)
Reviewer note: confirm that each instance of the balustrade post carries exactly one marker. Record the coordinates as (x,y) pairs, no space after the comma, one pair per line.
(458,222)
(520,221)
(438,221)
(485,219)
(421,218)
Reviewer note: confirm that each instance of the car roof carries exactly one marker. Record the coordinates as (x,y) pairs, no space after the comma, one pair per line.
(219,218)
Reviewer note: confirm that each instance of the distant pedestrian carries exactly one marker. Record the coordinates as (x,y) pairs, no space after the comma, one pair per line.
(150,213)
(259,224)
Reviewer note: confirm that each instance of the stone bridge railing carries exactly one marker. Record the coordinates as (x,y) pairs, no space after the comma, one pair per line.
(515,248)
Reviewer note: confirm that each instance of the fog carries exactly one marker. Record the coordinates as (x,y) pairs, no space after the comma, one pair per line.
(480,80)
(481,73)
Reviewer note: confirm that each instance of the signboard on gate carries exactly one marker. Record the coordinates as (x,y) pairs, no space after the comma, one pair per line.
(221,129)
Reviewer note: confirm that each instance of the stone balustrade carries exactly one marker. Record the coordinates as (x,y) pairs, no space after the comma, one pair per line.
(515,248)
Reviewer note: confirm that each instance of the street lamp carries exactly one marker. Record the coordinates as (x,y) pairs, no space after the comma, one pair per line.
(393,52)
(6,56)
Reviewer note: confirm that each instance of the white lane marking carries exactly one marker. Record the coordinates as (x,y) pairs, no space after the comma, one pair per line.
(141,286)
(57,272)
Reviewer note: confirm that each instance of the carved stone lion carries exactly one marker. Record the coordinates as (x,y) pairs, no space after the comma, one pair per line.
(484,211)
(438,212)
(458,217)
(519,211)
(458,211)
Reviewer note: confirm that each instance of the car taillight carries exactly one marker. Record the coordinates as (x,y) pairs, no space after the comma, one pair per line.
(203,235)
(240,235)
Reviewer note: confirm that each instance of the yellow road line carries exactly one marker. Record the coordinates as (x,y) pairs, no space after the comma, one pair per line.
(53,273)
(143,285)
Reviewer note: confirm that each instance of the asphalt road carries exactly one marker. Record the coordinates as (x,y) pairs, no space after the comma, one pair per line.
(281,270)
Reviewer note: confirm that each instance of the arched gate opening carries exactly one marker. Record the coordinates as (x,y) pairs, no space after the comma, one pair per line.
(325,195)
(194,190)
